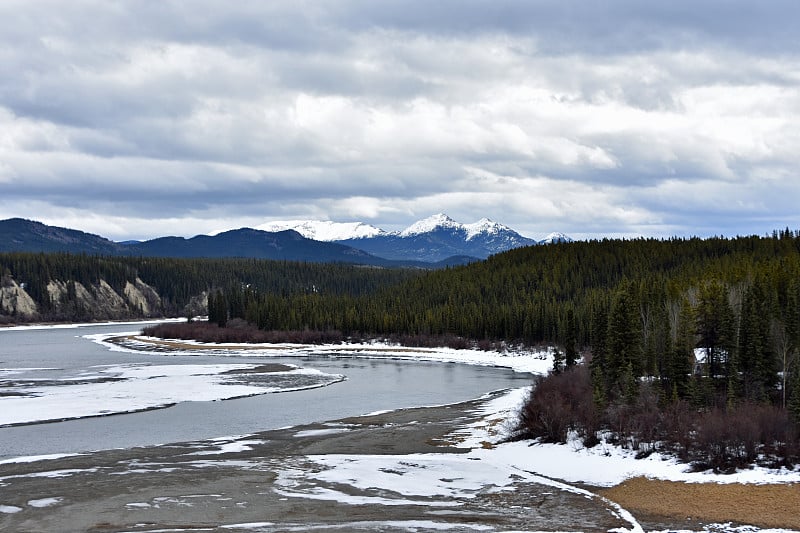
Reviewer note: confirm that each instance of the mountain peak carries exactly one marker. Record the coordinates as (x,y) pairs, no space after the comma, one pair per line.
(485,226)
(324,230)
(555,237)
(432,223)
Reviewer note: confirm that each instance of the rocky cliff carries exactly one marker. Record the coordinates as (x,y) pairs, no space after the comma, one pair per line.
(71,300)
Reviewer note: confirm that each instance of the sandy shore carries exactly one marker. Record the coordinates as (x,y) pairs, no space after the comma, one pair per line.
(767,506)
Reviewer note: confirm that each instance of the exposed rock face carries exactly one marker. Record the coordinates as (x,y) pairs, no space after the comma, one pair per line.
(71,300)
(142,297)
(15,301)
(198,305)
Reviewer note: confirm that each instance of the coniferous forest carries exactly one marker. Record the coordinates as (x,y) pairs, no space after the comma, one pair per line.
(685,344)
(689,345)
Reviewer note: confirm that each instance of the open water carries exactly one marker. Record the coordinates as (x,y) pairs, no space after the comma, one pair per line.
(371,385)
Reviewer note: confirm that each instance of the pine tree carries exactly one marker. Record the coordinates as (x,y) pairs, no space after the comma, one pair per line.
(624,349)
(571,340)
(715,328)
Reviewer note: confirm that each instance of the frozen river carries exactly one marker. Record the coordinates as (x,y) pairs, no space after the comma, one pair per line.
(55,373)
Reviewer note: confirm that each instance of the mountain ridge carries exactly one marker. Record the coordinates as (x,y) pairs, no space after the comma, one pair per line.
(431,242)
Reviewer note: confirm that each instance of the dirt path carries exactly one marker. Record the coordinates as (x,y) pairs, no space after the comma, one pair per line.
(758,505)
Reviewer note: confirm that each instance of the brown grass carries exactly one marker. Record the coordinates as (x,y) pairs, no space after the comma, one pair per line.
(758,505)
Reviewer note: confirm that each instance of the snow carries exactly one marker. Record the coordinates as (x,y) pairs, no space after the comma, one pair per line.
(484,226)
(36,458)
(135,387)
(88,324)
(324,230)
(407,525)
(434,480)
(606,465)
(432,223)
(320,432)
(45,502)
(556,237)
(444,480)
(235,446)
(530,361)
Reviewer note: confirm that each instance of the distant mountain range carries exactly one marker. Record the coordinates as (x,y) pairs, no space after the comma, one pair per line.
(434,242)
(432,239)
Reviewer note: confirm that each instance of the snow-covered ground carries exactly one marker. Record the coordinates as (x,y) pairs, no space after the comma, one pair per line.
(438,480)
(73,325)
(603,465)
(529,361)
(442,480)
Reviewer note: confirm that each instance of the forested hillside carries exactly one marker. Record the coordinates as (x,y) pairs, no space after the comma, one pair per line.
(681,326)
(567,293)
(640,311)
(67,287)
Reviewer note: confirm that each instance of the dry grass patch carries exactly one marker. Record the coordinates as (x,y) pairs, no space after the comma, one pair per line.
(758,505)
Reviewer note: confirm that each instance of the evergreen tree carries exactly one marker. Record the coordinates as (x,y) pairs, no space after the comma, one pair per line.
(623,343)
(715,328)
(571,340)
(757,359)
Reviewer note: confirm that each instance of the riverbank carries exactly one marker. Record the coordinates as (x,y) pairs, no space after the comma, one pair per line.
(425,469)
(422,469)
(533,361)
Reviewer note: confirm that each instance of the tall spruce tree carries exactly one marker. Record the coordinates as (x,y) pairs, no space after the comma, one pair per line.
(623,344)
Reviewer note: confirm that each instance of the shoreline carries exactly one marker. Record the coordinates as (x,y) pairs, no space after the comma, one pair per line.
(382,445)
(304,476)
(421,469)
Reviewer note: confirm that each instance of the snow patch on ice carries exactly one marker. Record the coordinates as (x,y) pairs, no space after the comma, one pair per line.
(136,387)
(45,502)
(35,458)
(536,361)
(230,447)
(320,432)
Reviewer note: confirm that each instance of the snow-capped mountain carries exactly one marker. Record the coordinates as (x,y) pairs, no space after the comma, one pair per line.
(438,237)
(556,237)
(324,230)
(431,239)
(433,223)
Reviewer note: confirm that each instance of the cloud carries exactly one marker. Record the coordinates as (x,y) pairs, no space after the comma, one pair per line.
(616,118)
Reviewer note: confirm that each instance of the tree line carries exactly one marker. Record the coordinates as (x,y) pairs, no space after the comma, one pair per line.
(692,325)
(180,281)
(685,325)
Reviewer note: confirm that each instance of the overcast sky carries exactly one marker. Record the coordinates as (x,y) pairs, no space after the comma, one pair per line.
(135,119)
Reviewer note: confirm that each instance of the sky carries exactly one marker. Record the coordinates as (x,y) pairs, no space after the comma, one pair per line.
(136,119)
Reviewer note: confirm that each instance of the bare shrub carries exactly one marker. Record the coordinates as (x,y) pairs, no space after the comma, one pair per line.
(559,403)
